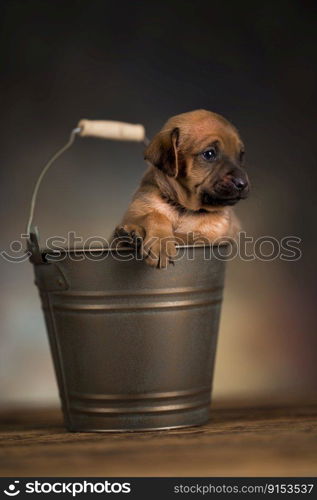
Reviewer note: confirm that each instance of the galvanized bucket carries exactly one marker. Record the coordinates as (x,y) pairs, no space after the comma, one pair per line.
(133,347)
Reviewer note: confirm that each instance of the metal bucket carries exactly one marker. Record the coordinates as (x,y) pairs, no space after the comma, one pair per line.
(133,347)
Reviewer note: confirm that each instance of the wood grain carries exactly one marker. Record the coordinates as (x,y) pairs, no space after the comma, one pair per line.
(237,441)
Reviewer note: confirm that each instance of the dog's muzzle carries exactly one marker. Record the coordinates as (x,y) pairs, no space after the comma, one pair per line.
(226,191)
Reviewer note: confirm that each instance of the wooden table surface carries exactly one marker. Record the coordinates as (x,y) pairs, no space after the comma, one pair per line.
(238,441)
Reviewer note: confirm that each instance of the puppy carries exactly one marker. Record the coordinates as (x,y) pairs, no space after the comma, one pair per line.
(196,173)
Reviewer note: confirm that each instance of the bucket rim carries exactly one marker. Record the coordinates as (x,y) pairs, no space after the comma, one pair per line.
(83,250)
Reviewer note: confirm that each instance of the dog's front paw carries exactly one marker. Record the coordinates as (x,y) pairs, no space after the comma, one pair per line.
(159,251)
(128,235)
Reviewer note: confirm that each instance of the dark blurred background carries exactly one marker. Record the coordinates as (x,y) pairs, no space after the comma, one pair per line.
(141,62)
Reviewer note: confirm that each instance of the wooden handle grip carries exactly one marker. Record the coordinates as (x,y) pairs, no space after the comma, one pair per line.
(107,129)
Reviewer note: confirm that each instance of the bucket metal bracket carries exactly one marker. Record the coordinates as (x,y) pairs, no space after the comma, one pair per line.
(50,278)
(33,247)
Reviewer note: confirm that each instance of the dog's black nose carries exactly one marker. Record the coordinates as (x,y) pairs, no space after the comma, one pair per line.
(239,183)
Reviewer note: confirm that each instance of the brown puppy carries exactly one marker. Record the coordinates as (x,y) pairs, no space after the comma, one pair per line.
(195,175)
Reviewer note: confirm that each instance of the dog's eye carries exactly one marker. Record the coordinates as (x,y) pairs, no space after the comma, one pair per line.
(210,154)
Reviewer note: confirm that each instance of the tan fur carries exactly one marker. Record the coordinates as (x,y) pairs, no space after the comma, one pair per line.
(150,214)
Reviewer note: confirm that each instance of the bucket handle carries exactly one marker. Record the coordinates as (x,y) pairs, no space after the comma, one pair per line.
(104,129)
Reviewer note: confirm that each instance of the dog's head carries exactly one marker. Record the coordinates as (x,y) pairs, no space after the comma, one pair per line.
(203,153)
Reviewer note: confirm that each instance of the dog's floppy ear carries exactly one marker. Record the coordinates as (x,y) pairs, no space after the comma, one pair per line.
(162,151)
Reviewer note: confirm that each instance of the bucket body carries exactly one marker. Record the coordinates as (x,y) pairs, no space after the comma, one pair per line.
(133,347)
